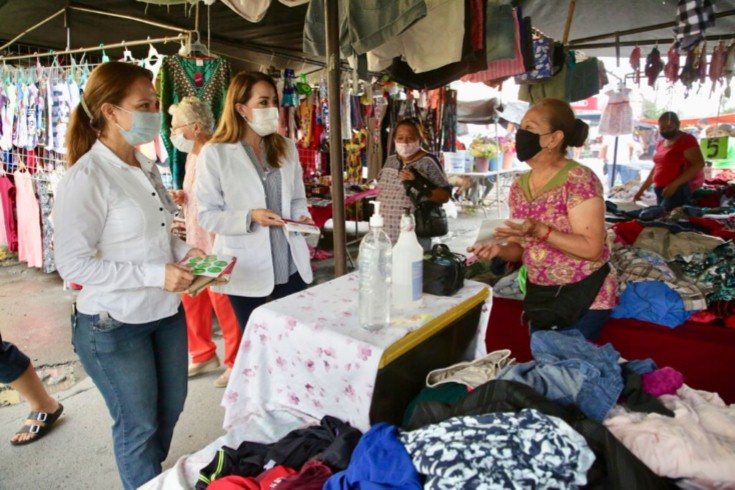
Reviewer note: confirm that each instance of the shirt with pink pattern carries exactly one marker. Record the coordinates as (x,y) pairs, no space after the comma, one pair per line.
(196,236)
(547,265)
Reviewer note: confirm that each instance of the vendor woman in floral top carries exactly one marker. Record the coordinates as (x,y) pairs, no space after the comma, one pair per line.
(558,230)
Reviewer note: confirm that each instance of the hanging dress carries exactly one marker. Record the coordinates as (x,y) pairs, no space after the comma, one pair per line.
(29,221)
(617,117)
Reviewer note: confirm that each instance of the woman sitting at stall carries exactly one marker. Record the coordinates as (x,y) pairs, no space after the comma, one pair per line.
(412,174)
(678,165)
(558,230)
(249,180)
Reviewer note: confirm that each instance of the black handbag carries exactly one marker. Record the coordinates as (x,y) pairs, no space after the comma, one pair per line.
(549,307)
(431,219)
(443,271)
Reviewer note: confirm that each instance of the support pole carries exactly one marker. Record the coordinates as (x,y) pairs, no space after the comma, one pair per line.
(615,154)
(570,16)
(331,12)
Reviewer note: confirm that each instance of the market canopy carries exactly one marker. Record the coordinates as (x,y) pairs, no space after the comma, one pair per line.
(277,38)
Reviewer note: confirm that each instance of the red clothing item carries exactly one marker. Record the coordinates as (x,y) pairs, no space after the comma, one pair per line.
(198,310)
(714,228)
(628,231)
(669,161)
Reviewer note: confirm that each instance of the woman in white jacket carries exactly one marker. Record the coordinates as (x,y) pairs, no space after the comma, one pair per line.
(249,180)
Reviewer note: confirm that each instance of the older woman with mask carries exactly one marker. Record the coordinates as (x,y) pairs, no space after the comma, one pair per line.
(192,124)
(558,227)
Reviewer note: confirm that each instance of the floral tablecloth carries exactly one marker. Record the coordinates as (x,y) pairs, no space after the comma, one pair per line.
(307,352)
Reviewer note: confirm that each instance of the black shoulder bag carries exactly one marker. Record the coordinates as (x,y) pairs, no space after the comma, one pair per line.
(443,271)
(430,217)
(548,307)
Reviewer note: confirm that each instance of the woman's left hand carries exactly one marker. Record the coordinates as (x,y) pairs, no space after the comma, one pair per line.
(530,228)
(195,252)
(669,190)
(406,175)
(306,219)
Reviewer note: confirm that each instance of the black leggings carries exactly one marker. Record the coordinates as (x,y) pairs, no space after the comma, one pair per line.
(244,305)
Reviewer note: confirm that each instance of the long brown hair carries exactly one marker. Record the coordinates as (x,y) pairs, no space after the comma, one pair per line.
(109,82)
(232,125)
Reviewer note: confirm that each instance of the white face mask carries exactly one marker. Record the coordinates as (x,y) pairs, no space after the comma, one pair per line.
(181,143)
(406,150)
(146,127)
(264,121)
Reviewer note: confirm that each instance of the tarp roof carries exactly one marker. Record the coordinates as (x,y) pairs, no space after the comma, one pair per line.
(282,28)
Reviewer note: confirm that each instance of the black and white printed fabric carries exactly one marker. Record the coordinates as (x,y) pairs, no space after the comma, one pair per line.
(500,451)
(693,17)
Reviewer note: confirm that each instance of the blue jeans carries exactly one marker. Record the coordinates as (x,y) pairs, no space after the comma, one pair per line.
(13,363)
(244,305)
(682,197)
(141,371)
(590,324)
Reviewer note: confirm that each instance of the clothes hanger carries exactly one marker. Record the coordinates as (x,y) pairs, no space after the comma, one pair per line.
(198,47)
(105,58)
(127,55)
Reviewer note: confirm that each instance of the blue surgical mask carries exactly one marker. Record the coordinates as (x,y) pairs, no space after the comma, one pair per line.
(146,126)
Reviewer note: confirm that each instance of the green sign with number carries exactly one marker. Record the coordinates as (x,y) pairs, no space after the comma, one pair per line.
(714,148)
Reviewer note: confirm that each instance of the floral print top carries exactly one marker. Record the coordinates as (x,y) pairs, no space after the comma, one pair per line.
(547,265)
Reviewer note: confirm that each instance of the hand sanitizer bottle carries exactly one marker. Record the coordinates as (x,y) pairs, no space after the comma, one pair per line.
(408,265)
(374,263)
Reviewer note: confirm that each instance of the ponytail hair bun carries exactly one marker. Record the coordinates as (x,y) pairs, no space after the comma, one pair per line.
(579,133)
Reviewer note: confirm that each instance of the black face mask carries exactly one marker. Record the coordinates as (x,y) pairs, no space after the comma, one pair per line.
(528,144)
(669,135)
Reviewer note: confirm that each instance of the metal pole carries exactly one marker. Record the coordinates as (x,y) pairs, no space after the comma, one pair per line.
(331,13)
(142,42)
(615,154)
(32,28)
(568,25)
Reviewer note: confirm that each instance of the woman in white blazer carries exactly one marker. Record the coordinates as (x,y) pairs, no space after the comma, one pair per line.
(248,180)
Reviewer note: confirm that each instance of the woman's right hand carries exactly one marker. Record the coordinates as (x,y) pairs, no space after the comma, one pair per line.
(265,217)
(179,197)
(485,251)
(178,278)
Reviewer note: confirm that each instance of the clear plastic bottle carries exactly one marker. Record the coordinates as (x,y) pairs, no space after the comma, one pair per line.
(408,265)
(375,262)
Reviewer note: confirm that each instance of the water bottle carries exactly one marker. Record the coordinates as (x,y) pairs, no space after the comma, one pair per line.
(374,263)
(408,265)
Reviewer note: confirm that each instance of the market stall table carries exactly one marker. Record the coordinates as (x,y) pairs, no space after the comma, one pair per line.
(503,180)
(307,353)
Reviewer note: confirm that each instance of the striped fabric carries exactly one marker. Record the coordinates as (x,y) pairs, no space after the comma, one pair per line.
(283,264)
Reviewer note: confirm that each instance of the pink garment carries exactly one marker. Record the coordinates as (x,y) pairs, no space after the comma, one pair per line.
(196,236)
(3,233)
(664,381)
(698,443)
(502,68)
(29,221)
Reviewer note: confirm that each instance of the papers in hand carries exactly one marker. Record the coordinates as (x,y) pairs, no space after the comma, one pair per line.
(292,226)
(208,271)
(488,227)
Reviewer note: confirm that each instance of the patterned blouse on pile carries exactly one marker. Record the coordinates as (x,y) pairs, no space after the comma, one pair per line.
(179,77)
(547,265)
(392,195)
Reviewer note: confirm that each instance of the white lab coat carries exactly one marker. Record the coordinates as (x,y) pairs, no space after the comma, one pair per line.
(228,187)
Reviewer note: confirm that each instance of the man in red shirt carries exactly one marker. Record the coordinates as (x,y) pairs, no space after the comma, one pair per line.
(678,165)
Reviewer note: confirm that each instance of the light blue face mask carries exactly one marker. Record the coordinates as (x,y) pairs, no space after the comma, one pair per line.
(146,126)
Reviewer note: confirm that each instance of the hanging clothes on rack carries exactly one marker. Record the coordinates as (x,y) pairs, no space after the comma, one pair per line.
(617,117)
(46,201)
(7,196)
(29,221)
(179,77)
